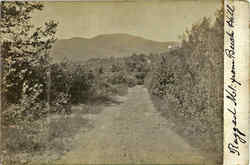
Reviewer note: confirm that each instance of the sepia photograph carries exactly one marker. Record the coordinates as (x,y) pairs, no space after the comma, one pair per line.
(112,82)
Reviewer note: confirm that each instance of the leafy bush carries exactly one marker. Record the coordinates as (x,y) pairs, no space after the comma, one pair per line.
(60,104)
(187,85)
(25,59)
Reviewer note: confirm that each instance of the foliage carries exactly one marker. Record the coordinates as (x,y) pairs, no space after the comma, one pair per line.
(96,77)
(187,84)
(25,56)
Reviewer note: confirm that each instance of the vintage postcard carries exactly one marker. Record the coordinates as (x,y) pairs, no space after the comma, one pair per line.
(124,82)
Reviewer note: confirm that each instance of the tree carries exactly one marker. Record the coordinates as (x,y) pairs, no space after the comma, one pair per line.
(188,84)
(24,52)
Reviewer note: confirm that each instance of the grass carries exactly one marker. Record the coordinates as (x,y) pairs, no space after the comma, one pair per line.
(201,142)
(46,138)
(49,138)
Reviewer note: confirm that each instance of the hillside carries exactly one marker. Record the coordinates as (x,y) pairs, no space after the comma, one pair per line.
(116,45)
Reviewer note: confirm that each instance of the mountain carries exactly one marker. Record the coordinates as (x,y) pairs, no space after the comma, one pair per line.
(116,45)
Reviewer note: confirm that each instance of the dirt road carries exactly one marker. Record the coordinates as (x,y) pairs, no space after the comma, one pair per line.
(131,132)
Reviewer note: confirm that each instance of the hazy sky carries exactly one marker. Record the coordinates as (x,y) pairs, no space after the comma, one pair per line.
(160,20)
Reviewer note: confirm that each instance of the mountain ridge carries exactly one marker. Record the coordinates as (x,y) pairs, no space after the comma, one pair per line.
(107,45)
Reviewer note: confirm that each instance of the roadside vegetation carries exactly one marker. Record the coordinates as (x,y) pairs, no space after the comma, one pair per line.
(38,96)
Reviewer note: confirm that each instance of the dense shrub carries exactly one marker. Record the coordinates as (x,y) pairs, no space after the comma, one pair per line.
(25,60)
(97,77)
(187,85)
(70,80)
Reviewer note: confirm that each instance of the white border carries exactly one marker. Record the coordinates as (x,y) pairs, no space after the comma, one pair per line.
(241,48)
